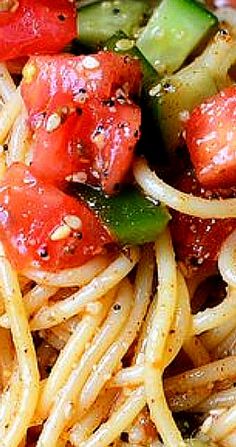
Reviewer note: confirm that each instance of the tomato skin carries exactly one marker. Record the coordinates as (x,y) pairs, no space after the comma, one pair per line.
(31,211)
(211,140)
(63,80)
(57,155)
(107,126)
(109,134)
(96,146)
(198,241)
(36,26)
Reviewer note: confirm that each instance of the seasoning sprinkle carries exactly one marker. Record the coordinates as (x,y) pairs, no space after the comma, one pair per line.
(155,90)
(77,177)
(61,232)
(74,222)
(125,44)
(29,72)
(53,122)
(90,63)
(99,140)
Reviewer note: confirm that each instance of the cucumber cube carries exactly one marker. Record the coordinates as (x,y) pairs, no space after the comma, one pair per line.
(172,33)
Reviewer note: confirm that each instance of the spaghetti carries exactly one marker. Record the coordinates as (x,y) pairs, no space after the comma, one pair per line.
(87,353)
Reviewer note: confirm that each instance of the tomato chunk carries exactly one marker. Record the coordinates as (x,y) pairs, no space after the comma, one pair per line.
(58,154)
(83,118)
(211,140)
(198,241)
(36,26)
(50,83)
(95,145)
(43,227)
(109,133)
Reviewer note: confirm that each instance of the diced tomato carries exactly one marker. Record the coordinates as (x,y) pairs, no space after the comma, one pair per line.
(50,83)
(95,145)
(83,117)
(36,26)
(109,133)
(44,227)
(211,140)
(58,154)
(198,241)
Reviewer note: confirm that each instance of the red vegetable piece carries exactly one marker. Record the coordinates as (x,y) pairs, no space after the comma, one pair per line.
(83,101)
(44,227)
(198,241)
(50,83)
(58,153)
(109,133)
(95,145)
(211,140)
(36,26)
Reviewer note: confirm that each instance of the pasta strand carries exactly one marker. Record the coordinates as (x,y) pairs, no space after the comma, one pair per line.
(28,369)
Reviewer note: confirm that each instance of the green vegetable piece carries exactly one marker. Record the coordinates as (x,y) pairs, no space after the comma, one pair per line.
(132,218)
(174,30)
(177,95)
(167,102)
(97,22)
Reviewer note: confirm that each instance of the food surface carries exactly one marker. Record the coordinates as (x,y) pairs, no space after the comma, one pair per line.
(117,223)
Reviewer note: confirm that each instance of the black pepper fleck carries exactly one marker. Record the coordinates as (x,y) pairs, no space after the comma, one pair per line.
(109,102)
(117,306)
(126,59)
(79,111)
(61,17)
(223,32)
(48,369)
(78,235)
(116,11)
(124,436)
(43,253)
(121,125)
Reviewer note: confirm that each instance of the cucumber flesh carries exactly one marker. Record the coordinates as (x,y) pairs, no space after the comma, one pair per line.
(98,22)
(174,30)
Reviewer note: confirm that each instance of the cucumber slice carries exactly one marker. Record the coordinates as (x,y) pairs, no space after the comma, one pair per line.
(98,22)
(172,33)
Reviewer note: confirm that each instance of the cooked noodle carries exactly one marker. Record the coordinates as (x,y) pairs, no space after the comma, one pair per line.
(155,188)
(87,354)
(226,260)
